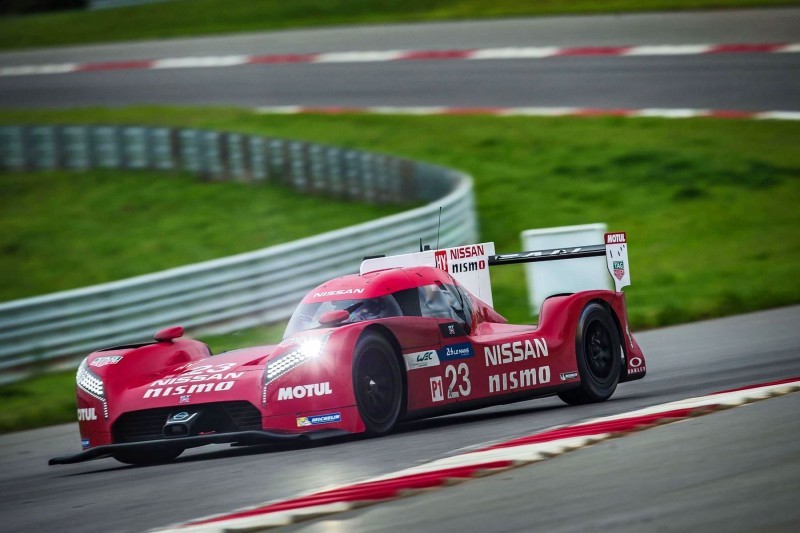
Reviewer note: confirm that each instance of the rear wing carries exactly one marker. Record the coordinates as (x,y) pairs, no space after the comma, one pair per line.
(615,250)
(470,264)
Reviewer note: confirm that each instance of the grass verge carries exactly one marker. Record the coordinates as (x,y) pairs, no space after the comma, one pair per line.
(709,204)
(208,17)
(66,229)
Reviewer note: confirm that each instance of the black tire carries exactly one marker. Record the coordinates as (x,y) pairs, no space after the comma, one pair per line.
(377,383)
(599,355)
(148,456)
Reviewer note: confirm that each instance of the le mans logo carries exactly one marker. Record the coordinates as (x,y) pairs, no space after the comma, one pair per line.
(619,269)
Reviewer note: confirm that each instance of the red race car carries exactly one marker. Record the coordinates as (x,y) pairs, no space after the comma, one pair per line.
(410,336)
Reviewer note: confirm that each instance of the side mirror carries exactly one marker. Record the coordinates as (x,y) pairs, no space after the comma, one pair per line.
(332,318)
(168,334)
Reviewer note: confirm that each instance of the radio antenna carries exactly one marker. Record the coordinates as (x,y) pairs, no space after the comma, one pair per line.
(420,244)
(439,228)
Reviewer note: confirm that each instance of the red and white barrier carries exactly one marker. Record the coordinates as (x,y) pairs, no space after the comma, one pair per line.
(489,460)
(377,56)
(535,112)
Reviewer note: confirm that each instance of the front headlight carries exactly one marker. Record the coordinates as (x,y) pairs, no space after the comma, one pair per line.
(306,350)
(91,384)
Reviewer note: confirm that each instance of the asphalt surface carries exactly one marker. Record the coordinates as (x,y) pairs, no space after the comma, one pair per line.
(732,471)
(755,82)
(729,26)
(103,495)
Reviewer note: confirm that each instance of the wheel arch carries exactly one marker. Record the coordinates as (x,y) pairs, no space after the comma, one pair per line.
(398,353)
(620,333)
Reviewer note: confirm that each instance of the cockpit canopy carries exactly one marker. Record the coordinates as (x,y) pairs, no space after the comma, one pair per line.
(437,299)
(307,315)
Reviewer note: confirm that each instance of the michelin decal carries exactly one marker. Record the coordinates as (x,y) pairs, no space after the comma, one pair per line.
(331,418)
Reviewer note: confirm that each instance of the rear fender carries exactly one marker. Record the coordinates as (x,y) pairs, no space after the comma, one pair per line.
(560,314)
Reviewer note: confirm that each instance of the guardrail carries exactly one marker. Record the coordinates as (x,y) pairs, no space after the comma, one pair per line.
(234,292)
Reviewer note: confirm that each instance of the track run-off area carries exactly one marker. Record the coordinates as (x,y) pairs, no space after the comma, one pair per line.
(683,362)
(735,470)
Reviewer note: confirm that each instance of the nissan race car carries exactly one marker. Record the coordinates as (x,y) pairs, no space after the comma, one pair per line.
(409,336)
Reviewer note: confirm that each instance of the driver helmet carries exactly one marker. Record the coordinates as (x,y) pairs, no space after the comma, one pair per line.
(370,309)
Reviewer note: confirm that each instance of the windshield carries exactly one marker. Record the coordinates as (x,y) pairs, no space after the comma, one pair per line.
(306,316)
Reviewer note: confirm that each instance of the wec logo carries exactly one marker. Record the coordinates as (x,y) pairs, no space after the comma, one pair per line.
(421,359)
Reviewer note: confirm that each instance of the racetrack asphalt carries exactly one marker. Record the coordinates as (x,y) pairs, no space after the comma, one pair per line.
(103,495)
(609,486)
(737,470)
(738,81)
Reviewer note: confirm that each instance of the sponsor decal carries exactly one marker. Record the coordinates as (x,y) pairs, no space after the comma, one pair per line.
(437,389)
(615,238)
(465,252)
(198,378)
(636,365)
(619,269)
(568,375)
(421,359)
(508,352)
(452,329)
(181,390)
(469,266)
(340,292)
(304,391)
(106,360)
(84,443)
(441,260)
(186,398)
(456,351)
(519,379)
(304,421)
(541,253)
(630,337)
(85,414)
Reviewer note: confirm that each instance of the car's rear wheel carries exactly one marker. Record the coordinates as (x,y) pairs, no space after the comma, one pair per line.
(377,382)
(599,357)
(148,456)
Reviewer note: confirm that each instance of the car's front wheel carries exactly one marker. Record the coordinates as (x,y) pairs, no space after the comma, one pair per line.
(599,357)
(377,382)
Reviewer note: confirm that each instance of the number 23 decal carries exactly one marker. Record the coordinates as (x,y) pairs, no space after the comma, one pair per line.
(460,378)
(210,369)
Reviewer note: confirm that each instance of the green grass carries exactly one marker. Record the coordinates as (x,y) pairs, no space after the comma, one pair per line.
(205,17)
(709,205)
(63,229)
